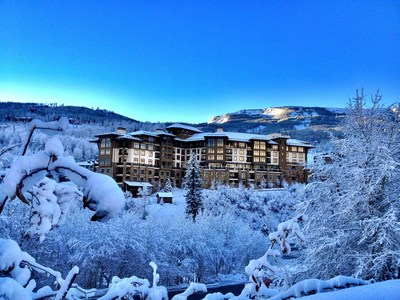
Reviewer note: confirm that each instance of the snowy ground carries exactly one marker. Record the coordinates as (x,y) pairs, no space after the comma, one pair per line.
(387,290)
(168,210)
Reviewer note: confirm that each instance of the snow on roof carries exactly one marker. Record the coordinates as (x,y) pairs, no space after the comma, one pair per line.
(128,137)
(107,133)
(165,195)
(143,132)
(138,184)
(294,142)
(187,127)
(233,136)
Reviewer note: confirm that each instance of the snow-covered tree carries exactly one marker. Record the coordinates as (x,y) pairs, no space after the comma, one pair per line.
(144,193)
(167,186)
(193,186)
(35,178)
(353,201)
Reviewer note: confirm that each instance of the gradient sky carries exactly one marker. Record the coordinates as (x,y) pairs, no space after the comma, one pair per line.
(190,60)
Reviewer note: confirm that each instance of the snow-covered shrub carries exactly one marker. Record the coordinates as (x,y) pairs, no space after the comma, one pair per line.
(260,209)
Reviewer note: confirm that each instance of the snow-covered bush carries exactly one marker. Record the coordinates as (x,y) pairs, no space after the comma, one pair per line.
(262,210)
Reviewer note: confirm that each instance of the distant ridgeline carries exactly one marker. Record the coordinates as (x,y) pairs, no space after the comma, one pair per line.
(306,123)
(25,112)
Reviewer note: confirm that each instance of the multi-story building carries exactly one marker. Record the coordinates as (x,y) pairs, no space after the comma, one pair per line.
(225,157)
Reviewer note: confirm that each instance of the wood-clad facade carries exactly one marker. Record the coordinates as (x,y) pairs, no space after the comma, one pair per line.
(225,157)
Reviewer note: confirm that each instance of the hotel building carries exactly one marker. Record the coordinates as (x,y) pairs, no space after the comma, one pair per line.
(224,157)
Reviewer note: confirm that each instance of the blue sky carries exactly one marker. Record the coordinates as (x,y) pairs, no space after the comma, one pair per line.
(190,60)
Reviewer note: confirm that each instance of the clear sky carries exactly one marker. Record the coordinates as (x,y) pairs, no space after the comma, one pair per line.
(190,60)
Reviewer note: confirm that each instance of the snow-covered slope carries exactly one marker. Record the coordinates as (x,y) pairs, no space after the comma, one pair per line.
(277,113)
(289,119)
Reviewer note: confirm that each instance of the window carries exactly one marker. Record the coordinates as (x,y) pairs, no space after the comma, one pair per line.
(256,145)
(242,145)
(262,153)
(150,161)
(241,158)
(136,145)
(256,159)
(220,142)
(150,147)
(300,149)
(256,153)
(275,147)
(294,155)
(294,148)
(210,157)
(210,143)
(220,157)
(241,152)
(235,157)
(275,154)
(262,145)
(235,151)
(262,159)
(301,155)
(178,151)
(135,160)
(211,150)
(142,161)
(143,153)
(275,160)
(220,150)
(142,146)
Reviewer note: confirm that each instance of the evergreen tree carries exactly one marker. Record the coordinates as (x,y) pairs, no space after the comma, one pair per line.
(168,186)
(353,200)
(193,186)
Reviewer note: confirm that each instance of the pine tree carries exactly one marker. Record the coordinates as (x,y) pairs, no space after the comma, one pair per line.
(193,186)
(168,186)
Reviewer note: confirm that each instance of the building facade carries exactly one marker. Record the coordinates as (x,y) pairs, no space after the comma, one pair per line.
(225,157)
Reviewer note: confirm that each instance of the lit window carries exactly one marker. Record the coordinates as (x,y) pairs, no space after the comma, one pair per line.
(211,157)
(241,152)
(300,149)
(294,148)
(256,159)
(220,157)
(241,158)
(220,142)
(220,150)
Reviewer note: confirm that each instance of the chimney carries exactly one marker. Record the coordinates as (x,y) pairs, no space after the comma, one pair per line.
(121,130)
(220,129)
(159,130)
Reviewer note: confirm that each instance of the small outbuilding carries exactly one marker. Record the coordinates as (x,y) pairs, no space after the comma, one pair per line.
(134,186)
(164,197)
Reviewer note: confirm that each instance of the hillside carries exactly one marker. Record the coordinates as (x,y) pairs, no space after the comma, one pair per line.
(15,111)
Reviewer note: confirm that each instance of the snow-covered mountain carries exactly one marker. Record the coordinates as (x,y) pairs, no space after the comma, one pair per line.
(297,121)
